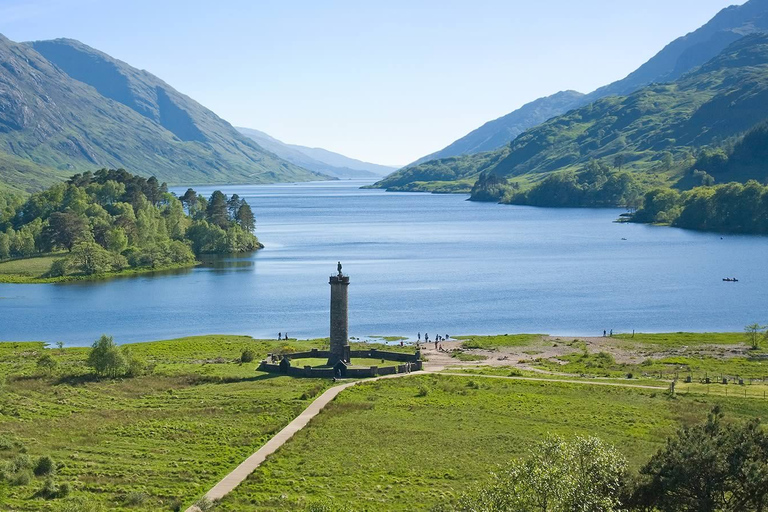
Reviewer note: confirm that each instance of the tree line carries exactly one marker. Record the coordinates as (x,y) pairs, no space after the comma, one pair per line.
(112,220)
(594,186)
(727,208)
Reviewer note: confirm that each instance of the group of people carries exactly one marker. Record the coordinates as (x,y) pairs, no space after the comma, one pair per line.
(437,340)
(280,336)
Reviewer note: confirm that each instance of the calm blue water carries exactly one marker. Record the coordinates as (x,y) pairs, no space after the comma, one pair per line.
(418,262)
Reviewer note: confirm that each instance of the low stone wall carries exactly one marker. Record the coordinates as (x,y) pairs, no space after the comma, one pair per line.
(327,373)
(365,354)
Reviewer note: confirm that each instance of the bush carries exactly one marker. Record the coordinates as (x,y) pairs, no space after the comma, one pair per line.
(5,443)
(59,268)
(47,363)
(423,391)
(21,478)
(583,474)
(21,462)
(135,498)
(64,490)
(49,490)
(45,466)
(205,504)
(247,356)
(134,365)
(106,358)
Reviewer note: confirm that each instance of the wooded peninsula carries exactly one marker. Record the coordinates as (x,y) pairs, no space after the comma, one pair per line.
(112,221)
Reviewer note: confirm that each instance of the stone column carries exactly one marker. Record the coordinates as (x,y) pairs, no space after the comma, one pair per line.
(339,319)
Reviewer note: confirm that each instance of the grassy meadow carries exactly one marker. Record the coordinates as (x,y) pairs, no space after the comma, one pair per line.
(413,443)
(152,442)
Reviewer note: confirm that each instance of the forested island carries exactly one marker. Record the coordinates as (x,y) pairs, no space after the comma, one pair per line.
(112,221)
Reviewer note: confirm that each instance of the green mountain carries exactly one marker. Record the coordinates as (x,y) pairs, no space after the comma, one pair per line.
(317,159)
(67,108)
(679,57)
(655,129)
(498,132)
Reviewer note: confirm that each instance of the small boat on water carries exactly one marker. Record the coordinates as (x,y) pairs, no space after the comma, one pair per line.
(730,280)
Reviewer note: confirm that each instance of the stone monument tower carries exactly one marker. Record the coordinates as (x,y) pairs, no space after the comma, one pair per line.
(339,318)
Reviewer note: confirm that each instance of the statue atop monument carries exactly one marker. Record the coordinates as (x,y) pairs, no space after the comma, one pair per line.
(339,267)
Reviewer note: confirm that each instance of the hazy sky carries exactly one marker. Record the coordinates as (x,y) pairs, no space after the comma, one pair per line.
(386,81)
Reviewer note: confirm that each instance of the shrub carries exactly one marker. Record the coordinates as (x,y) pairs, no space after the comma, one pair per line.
(45,466)
(59,268)
(583,474)
(135,498)
(21,462)
(247,356)
(64,490)
(5,443)
(49,490)
(205,504)
(134,365)
(21,478)
(423,391)
(47,363)
(106,359)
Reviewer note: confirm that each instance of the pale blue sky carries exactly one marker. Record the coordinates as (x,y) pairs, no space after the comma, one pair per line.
(385,81)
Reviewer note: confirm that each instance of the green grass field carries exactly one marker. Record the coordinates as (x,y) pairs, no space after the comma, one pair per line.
(160,441)
(495,342)
(415,442)
(164,438)
(28,267)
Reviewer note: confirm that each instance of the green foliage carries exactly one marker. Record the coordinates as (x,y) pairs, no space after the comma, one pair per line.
(558,476)
(728,208)
(106,359)
(205,504)
(755,334)
(247,356)
(59,268)
(496,342)
(45,466)
(490,187)
(112,220)
(596,186)
(47,363)
(708,467)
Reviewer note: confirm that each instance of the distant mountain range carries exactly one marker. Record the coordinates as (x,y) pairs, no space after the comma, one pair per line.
(676,59)
(67,108)
(460,165)
(317,159)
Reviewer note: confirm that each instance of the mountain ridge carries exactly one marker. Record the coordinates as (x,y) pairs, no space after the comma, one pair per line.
(723,98)
(317,159)
(53,120)
(671,62)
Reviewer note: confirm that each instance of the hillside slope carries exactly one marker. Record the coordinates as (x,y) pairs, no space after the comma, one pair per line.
(498,132)
(649,129)
(107,114)
(317,159)
(677,58)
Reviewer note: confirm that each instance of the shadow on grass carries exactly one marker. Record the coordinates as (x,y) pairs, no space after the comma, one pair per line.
(78,380)
(212,379)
